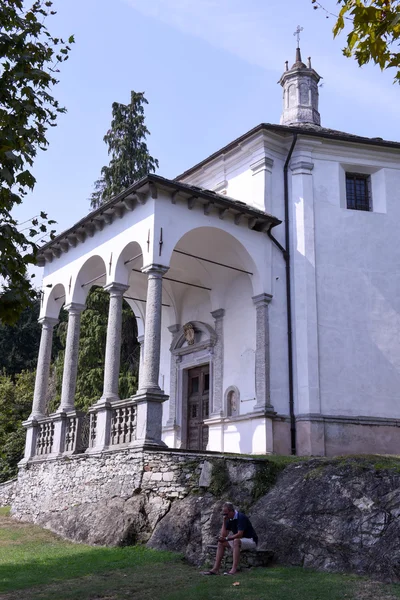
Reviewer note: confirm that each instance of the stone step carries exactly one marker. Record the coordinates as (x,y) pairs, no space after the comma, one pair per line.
(248,558)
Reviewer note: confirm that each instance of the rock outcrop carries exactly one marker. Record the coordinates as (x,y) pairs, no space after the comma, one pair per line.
(339,515)
(335,515)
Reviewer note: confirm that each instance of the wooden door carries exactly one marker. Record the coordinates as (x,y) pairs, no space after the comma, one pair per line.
(198,407)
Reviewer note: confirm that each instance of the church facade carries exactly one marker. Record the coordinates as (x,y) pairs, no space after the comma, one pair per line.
(266,286)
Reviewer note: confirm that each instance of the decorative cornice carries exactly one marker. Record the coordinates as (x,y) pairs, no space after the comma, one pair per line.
(135,196)
(302,166)
(220,187)
(263,164)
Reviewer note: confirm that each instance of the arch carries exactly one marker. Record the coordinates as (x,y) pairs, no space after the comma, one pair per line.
(53,302)
(213,243)
(232,401)
(292,95)
(304,95)
(92,272)
(131,256)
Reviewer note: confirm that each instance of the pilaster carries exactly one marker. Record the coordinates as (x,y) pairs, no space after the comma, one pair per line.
(304,298)
(262,183)
(262,358)
(218,364)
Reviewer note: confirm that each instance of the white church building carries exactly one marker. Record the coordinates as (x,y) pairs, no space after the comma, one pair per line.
(266,285)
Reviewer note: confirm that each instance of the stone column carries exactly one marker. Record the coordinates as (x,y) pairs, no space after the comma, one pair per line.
(152,330)
(218,364)
(71,357)
(69,377)
(102,408)
(43,368)
(262,366)
(140,339)
(113,343)
(41,385)
(150,397)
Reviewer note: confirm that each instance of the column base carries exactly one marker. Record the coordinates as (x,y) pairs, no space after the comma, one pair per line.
(59,419)
(31,426)
(101,413)
(149,419)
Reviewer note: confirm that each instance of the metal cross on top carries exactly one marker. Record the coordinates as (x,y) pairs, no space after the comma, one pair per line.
(297,33)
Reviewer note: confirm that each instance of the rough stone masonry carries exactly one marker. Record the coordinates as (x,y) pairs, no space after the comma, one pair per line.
(333,515)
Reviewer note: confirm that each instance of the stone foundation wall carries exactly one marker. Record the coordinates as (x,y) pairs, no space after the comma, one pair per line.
(119,497)
(7,491)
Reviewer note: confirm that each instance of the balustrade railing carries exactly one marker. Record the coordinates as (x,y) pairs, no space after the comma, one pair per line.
(123,425)
(79,431)
(76,433)
(45,437)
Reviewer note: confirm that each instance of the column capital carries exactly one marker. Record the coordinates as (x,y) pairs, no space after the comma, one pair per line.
(155,269)
(218,314)
(262,299)
(174,328)
(302,167)
(74,308)
(48,321)
(117,289)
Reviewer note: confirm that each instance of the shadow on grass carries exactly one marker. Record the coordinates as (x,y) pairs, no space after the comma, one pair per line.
(60,562)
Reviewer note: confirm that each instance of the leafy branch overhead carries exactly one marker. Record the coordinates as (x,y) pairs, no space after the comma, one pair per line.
(374,31)
(29,61)
(130,158)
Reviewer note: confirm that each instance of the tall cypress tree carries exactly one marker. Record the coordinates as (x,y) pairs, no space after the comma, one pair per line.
(130,158)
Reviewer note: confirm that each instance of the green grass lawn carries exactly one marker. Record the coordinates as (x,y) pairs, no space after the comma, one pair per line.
(37,565)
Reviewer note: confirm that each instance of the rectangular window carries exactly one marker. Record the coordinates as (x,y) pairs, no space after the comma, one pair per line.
(358,191)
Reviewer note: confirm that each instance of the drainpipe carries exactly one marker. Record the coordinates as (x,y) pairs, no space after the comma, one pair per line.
(286,255)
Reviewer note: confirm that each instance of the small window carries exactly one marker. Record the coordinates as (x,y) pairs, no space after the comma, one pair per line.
(358,191)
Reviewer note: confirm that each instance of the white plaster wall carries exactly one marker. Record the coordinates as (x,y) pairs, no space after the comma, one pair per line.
(239,341)
(358,285)
(264,191)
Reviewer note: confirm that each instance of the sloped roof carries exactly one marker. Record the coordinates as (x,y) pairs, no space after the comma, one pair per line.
(135,194)
(306,129)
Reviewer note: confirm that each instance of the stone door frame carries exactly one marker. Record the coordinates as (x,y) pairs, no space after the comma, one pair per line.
(184,358)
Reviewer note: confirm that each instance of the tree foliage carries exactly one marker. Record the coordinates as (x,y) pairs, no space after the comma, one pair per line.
(374,31)
(130,158)
(28,67)
(15,406)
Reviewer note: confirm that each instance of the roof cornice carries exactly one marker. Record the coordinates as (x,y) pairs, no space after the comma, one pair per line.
(286,131)
(137,194)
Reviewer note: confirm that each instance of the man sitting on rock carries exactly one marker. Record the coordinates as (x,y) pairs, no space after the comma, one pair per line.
(237,533)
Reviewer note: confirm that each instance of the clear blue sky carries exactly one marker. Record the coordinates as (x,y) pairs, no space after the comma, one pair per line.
(209,69)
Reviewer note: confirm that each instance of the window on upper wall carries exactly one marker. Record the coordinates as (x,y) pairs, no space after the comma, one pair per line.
(358,191)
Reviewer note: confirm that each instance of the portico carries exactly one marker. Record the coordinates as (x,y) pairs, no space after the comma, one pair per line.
(189,262)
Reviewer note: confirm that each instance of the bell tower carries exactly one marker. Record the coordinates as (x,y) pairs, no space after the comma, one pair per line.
(300,91)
